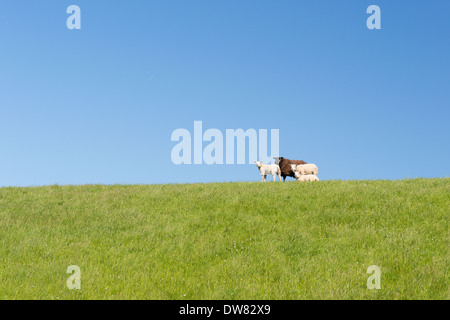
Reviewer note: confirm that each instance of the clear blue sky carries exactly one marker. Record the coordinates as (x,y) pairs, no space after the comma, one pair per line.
(98,105)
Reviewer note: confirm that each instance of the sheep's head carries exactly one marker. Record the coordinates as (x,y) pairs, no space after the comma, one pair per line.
(297,174)
(259,163)
(293,166)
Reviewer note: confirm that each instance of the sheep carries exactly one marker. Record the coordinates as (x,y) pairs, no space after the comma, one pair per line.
(305,177)
(285,166)
(303,169)
(266,169)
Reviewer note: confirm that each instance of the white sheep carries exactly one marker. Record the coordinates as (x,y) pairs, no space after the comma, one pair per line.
(305,177)
(266,169)
(303,169)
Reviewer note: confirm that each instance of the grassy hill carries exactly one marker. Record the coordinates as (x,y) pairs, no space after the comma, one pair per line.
(227,241)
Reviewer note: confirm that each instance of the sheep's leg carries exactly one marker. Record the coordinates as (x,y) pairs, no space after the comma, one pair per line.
(274,180)
(262,178)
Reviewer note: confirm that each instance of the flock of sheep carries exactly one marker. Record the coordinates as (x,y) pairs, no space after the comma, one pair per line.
(283,167)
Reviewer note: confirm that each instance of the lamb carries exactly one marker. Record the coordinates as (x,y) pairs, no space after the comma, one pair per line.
(285,166)
(266,169)
(303,169)
(305,177)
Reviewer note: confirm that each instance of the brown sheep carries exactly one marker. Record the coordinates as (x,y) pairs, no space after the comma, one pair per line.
(285,166)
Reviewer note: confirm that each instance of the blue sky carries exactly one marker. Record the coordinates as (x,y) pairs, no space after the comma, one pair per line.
(98,105)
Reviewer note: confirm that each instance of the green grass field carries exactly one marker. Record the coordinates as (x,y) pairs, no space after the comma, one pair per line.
(227,241)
